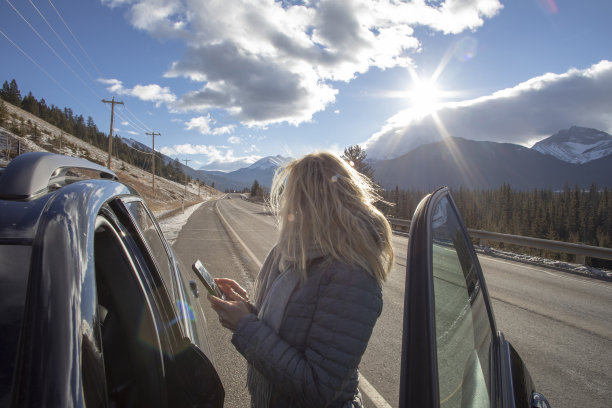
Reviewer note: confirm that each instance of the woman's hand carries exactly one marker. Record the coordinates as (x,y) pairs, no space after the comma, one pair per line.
(230,312)
(231,289)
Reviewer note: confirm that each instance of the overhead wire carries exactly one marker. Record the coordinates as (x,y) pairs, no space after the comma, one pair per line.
(41,68)
(50,47)
(60,39)
(74,37)
(134,121)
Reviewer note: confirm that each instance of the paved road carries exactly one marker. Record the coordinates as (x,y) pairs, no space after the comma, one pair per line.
(560,324)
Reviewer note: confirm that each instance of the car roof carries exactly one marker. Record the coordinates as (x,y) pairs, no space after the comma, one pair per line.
(32,173)
(27,184)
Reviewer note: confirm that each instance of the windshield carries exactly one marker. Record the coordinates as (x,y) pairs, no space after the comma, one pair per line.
(14,267)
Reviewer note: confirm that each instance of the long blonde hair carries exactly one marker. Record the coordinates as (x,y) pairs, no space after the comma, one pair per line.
(325,205)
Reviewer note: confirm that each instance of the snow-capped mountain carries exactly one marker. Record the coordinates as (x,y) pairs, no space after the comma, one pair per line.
(270,162)
(262,170)
(576,145)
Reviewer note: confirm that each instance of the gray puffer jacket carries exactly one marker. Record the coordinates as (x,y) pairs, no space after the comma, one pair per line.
(313,360)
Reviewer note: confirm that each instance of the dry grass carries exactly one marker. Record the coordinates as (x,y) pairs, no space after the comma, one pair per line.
(169,195)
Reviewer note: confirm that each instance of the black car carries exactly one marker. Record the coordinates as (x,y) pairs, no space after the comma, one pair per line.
(452,353)
(95,309)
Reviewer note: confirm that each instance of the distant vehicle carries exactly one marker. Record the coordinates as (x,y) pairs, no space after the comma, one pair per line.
(452,353)
(95,308)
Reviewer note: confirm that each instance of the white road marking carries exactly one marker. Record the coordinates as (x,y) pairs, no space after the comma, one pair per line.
(365,386)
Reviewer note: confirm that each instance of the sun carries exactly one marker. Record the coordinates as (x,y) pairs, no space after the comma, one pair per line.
(425,96)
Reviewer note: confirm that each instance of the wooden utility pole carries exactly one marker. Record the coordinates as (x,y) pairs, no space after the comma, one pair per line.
(110,137)
(153,158)
(185,160)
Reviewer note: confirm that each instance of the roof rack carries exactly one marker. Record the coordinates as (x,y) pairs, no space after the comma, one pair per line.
(32,173)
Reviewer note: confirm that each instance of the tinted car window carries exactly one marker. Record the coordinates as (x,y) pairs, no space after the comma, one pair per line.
(151,234)
(463,332)
(15,265)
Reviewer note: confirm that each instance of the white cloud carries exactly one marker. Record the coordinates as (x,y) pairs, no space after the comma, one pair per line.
(269,61)
(204,125)
(217,157)
(131,132)
(150,93)
(234,140)
(524,114)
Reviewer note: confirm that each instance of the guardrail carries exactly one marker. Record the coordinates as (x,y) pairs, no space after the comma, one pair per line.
(581,251)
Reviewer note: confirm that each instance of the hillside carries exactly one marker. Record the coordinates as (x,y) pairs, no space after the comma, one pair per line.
(487,165)
(168,195)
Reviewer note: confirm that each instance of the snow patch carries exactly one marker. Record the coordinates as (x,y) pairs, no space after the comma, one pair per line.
(551,263)
(172,226)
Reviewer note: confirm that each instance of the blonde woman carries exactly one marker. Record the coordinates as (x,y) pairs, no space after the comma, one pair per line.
(318,294)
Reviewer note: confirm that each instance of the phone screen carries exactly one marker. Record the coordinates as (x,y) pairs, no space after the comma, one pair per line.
(207,279)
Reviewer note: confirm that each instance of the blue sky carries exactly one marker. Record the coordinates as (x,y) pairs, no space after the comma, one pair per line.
(228,82)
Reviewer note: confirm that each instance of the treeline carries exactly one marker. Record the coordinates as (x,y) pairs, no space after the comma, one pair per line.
(76,125)
(571,215)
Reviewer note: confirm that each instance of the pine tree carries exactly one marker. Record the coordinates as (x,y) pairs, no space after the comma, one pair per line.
(356,156)
(3,113)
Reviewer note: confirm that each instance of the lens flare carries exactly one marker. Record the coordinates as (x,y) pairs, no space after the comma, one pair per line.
(465,49)
(549,6)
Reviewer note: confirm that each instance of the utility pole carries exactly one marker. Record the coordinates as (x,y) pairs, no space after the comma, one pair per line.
(185,160)
(153,158)
(198,183)
(110,137)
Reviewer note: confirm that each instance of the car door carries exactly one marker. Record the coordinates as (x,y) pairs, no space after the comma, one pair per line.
(452,353)
(191,378)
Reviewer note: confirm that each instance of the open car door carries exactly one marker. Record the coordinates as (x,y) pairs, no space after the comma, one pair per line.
(452,353)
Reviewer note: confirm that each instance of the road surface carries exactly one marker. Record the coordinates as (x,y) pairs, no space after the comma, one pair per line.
(561,324)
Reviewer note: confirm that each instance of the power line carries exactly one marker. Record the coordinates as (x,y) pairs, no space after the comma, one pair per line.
(50,47)
(60,39)
(74,37)
(41,68)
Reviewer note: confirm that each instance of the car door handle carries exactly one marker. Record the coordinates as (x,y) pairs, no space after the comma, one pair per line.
(194,288)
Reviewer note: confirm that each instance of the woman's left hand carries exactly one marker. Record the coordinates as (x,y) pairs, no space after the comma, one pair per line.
(230,312)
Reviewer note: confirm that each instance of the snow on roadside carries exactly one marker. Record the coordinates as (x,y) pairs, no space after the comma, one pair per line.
(172,226)
(551,263)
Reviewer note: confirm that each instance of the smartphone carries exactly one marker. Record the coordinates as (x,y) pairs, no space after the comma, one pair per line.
(207,279)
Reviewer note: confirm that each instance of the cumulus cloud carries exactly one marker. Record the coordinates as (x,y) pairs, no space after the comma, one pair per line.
(151,93)
(524,114)
(269,61)
(205,125)
(218,157)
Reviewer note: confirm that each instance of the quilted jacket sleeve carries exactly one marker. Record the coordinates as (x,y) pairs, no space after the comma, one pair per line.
(348,305)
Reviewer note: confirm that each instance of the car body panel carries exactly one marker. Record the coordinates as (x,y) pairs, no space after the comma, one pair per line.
(60,313)
(61,358)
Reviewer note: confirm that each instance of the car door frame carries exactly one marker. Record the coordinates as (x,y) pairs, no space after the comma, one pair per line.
(419,384)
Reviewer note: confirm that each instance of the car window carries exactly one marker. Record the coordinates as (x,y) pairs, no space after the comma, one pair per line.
(14,268)
(131,343)
(463,332)
(152,235)
(166,266)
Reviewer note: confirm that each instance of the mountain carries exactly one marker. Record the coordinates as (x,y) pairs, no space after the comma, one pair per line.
(457,162)
(576,145)
(262,170)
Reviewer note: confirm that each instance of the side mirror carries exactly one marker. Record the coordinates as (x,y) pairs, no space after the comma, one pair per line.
(539,401)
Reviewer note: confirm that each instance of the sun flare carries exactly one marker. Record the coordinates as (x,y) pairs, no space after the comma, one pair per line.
(425,96)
